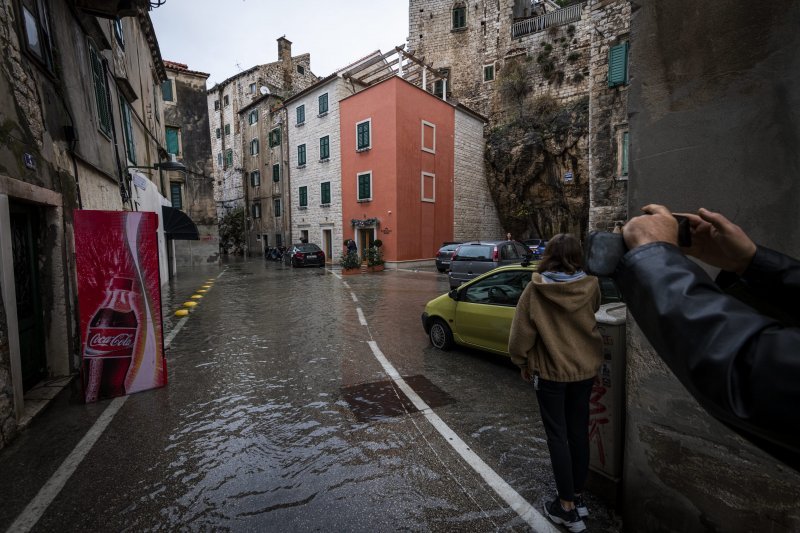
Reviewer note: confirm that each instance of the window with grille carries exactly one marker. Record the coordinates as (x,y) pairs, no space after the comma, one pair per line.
(365,187)
(325,192)
(301,155)
(303,195)
(363,137)
(324,148)
(323,104)
(100,92)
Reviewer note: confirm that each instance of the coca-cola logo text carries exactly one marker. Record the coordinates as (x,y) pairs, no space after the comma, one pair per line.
(121,340)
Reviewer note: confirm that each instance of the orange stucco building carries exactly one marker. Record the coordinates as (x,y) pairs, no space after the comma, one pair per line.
(397,144)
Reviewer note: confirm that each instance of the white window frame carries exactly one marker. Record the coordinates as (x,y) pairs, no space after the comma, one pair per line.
(369,146)
(422,187)
(422,140)
(371,189)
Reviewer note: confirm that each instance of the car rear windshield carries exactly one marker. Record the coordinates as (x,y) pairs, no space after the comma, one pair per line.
(475,252)
(449,248)
(308,248)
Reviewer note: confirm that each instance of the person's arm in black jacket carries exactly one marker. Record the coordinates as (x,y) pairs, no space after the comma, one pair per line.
(742,366)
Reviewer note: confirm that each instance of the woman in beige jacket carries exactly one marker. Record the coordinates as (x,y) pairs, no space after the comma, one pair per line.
(555,341)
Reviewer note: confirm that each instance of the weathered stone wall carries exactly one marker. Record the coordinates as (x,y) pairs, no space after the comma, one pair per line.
(474,213)
(282,79)
(544,107)
(715,126)
(190,114)
(609,117)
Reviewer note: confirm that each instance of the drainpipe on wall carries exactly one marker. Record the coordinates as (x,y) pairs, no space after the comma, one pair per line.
(591,92)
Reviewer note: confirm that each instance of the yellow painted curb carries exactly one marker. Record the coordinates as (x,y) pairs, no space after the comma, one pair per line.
(196,296)
(189,304)
(182,312)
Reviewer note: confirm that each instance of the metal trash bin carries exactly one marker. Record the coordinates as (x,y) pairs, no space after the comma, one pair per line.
(607,403)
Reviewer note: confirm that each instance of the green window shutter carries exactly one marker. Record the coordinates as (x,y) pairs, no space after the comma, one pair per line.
(323,103)
(228,158)
(301,114)
(277,205)
(166,91)
(362,136)
(364,192)
(172,140)
(98,75)
(128,127)
(227,129)
(325,192)
(219,133)
(219,159)
(275,137)
(301,154)
(304,196)
(625,153)
(175,195)
(276,173)
(325,148)
(618,65)
(459,17)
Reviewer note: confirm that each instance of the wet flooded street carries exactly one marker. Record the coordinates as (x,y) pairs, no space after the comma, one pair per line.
(280,415)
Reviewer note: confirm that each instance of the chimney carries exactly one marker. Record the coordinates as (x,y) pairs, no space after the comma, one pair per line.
(285,57)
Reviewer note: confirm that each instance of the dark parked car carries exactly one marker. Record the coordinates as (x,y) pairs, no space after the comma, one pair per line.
(472,259)
(444,255)
(536,246)
(305,254)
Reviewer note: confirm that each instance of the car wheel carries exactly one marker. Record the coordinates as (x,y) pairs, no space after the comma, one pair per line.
(440,334)
(442,270)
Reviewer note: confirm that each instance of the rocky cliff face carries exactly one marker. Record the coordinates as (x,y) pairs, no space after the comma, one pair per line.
(535,166)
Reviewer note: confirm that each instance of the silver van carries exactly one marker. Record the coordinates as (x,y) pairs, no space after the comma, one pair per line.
(472,259)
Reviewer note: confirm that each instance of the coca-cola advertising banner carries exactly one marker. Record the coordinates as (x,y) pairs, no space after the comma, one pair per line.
(119,295)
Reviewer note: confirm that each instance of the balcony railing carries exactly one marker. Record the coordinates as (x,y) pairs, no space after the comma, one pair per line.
(556,18)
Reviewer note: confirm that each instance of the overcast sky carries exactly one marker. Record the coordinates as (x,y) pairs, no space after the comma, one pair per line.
(215,35)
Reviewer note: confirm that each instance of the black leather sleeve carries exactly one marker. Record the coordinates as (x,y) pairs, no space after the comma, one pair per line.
(741,365)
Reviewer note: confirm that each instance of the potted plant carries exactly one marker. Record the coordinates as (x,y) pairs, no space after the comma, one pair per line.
(375,257)
(350,263)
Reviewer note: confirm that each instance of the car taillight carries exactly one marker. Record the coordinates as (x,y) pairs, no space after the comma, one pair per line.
(496,254)
(300,255)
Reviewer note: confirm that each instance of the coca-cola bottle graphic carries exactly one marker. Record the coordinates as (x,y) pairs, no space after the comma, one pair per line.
(110,341)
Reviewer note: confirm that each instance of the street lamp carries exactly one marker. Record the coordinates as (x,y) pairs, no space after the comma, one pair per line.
(171,165)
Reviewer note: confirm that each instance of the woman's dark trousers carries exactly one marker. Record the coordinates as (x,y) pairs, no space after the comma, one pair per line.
(565,413)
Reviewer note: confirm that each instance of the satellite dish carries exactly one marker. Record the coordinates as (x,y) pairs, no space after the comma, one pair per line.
(264,90)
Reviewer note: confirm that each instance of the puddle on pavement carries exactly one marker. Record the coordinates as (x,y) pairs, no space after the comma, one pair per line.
(381,400)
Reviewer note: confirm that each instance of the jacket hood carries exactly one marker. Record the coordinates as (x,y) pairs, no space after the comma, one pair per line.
(569,295)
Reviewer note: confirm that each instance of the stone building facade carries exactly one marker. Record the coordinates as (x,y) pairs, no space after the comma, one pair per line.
(187,137)
(265,171)
(284,77)
(540,78)
(80,103)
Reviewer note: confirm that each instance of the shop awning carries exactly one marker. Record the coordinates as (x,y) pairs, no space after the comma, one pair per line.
(178,225)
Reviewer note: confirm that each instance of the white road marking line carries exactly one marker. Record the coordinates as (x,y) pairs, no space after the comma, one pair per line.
(343,282)
(353,295)
(175,330)
(524,509)
(36,508)
(361,318)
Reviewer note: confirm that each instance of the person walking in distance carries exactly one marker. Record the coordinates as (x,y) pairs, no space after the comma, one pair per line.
(555,341)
